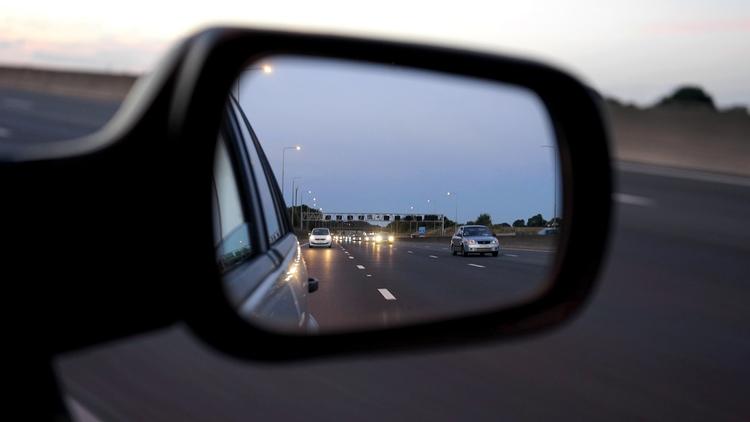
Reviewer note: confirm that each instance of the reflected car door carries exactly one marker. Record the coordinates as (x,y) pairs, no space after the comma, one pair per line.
(283,297)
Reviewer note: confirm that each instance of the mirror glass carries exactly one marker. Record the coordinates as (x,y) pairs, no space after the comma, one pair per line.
(353,195)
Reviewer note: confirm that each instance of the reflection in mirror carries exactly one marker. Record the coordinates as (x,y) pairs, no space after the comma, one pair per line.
(389,195)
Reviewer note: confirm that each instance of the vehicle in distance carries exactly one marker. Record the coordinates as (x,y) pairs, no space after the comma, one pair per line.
(474,239)
(548,231)
(382,238)
(320,237)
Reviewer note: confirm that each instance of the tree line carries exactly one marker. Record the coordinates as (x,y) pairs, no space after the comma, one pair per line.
(537,220)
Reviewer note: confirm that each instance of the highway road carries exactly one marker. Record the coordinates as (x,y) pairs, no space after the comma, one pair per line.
(666,336)
(28,117)
(373,285)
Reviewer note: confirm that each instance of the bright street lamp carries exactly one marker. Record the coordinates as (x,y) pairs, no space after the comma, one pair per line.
(266,68)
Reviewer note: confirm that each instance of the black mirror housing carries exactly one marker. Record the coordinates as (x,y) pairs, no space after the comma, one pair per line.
(169,125)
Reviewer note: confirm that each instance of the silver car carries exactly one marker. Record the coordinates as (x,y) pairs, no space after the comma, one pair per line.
(320,237)
(474,239)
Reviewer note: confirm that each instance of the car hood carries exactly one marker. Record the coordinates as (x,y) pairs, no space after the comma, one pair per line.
(478,238)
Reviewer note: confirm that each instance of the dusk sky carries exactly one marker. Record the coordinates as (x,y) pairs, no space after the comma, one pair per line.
(384,139)
(635,50)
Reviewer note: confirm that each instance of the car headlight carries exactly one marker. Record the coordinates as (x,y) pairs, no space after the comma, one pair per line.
(390,238)
(328,238)
(378,238)
(494,241)
(471,242)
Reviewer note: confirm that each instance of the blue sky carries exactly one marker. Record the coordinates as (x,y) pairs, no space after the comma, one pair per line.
(385,139)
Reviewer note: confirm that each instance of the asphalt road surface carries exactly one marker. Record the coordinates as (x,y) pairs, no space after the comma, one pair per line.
(28,117)
(666,336)
(363,284)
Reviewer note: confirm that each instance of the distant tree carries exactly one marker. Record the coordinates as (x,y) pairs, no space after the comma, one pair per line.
(518,223)
(554,222)
(484,219)
(536,221)
(688,96)
(504,225)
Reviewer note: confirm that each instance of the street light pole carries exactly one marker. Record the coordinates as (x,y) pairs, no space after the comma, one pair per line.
(294,196)
(283,159)
(456,199)
(554,170)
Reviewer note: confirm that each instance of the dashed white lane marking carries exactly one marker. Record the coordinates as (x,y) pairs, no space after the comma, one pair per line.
(475,265)
(386,294)
(510,255)
(361,267)
(410,251)
(346,252)
(433,256)
(351,257)
(4,132)
(628,199)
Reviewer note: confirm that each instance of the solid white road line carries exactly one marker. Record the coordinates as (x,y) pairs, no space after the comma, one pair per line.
(361,267)
(678,173)
(386,294)
(475,265)
(510,255)
(433,256)
(79,412)
(628,199)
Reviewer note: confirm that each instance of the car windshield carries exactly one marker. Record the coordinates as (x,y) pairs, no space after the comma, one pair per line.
(477,231)
(320,232)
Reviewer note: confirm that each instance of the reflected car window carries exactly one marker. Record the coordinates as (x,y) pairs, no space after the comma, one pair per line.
(270,211)
(231,229)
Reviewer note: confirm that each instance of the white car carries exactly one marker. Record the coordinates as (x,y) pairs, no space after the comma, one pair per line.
(320,237)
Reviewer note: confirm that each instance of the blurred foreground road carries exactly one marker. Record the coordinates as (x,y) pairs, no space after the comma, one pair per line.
(666,336)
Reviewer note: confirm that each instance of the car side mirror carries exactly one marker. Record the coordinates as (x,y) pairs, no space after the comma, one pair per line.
(312,285)
(187,102)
